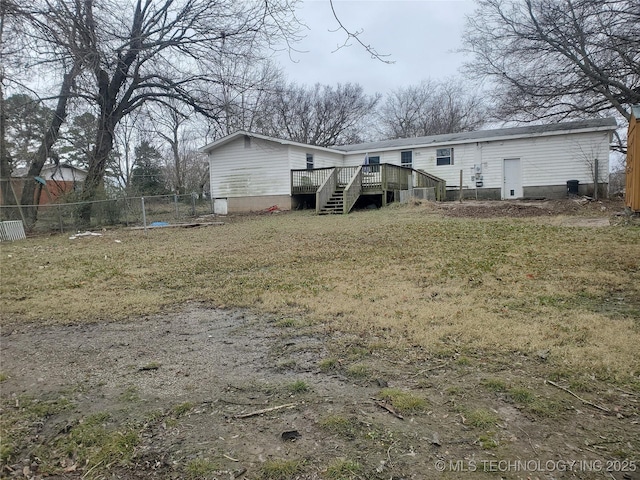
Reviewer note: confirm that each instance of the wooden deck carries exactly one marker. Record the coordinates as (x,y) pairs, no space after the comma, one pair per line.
(342,186)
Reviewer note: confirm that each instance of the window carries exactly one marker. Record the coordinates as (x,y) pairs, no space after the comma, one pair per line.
(309,161)
(376,162)
(247,141)
(444,156)
(406,159)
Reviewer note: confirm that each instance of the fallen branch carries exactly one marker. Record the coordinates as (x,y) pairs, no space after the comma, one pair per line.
(436,367)
(587,402)
(264,410)
(389,409)
(530,442)
(626,392)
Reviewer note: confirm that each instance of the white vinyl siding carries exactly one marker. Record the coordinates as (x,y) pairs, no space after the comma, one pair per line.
(553,160)
(258,170)
(262,167)
(545,160)
(321,158)
(392,157)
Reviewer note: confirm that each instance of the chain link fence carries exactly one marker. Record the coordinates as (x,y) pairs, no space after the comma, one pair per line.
(123,211)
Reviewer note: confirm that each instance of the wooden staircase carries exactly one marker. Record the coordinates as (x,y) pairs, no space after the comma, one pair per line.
(335,204)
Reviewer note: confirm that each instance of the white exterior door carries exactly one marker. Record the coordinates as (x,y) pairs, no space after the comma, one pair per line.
(512,185)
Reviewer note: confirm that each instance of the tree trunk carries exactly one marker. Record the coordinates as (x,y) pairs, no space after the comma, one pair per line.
(5,164)
(31,189)
(6,168)
(97,167)
(177,165)
(203,181)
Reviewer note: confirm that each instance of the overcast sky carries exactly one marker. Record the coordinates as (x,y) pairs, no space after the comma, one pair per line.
(420,36)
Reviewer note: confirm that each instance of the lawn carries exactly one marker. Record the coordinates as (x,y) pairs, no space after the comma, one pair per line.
(400,338)
(404,275)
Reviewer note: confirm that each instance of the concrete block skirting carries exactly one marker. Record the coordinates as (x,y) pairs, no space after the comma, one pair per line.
(543,191)
(255,204)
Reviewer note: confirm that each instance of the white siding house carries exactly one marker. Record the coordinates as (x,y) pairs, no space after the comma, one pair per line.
(251,172)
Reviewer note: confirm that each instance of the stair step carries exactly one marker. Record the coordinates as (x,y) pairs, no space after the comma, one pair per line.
(335,204)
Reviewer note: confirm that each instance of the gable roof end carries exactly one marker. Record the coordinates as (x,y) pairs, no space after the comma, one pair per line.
(241,133)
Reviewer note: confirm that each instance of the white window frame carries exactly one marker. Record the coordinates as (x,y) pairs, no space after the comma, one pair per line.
(439,156)
(402,163)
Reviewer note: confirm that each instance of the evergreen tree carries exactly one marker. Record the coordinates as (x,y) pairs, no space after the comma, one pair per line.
(147,177)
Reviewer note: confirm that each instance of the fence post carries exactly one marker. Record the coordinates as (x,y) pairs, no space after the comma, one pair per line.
(193,204)
(595,180)
(175,202)
(125,204)
(144,216)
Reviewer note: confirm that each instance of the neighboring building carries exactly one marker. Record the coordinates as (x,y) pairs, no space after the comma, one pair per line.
(60,179)
(252,172)
(632,190)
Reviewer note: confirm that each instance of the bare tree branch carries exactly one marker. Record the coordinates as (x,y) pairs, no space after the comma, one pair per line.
(556,59)
(355,35)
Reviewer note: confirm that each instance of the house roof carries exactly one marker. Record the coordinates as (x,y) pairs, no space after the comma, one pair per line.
(605,124)
(23,171)
(599,124)
(241,133)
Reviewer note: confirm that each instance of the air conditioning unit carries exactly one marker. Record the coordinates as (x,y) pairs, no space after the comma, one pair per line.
(425,193)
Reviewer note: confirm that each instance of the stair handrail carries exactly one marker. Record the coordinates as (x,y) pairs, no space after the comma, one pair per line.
(352,191)
(326,189)
(428,180)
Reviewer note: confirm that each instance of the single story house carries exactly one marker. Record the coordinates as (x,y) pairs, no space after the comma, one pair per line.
(60,180)
(250,171)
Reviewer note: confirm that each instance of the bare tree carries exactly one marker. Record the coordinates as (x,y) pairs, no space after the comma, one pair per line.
(67,51)
(5,157)
(554,59)
(152,51)
(122,161)
(321,115)
(242,92)
(169,124)
(430,108)
(13,52)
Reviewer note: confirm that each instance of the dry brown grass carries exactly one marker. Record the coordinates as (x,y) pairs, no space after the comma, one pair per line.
(405,276)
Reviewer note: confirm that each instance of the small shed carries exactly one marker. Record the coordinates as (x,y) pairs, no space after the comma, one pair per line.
(632,190)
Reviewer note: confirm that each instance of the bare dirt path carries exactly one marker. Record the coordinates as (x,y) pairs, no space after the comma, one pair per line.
(186,384)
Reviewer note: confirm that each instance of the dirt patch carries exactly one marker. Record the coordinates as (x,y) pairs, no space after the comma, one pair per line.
(187,385)
(598,212)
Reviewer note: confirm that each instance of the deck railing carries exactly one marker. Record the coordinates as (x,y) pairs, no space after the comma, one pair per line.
(345,174)
(326,189)
(395,177)
(308,180)
(426,180)
(373,179)
(353,190)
